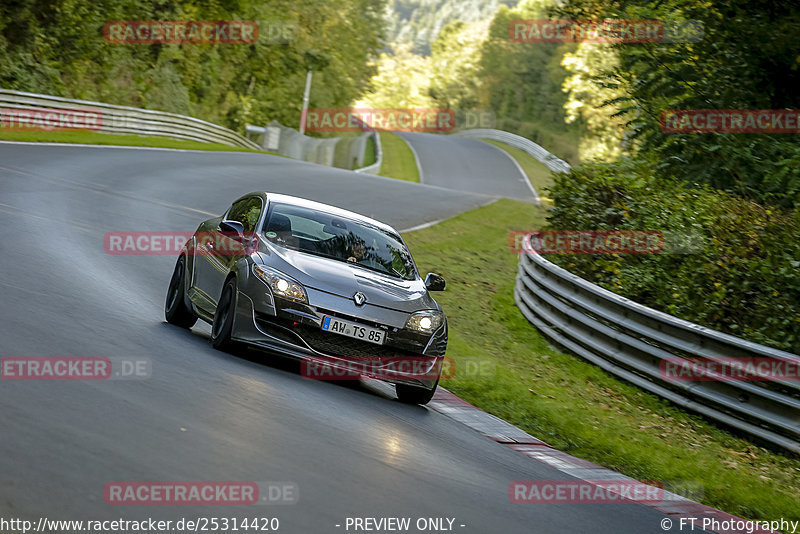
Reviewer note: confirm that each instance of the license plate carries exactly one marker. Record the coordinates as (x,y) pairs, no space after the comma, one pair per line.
(354,330)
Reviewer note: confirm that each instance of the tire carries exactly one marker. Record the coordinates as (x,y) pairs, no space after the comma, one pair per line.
(222,327)
(414,394)
(175,309)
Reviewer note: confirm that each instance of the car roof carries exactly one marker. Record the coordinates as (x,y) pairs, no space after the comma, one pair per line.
(319,206)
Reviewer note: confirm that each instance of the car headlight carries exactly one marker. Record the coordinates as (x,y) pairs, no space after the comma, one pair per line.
(280,284)
(426,321)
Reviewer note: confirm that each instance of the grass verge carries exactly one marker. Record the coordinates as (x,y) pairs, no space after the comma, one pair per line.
(398,160)
(96,138)
(344,152)
(370,156)
(538,174)
(571,404)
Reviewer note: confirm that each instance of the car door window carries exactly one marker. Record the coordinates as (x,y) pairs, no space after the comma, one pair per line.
(247,211)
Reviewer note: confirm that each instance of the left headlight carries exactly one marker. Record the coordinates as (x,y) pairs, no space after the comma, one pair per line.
(281,285)
(426,321)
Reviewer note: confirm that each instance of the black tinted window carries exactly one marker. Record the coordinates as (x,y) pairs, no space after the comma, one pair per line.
(323,234)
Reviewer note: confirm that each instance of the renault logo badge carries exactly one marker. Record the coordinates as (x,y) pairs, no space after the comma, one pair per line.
(359,298)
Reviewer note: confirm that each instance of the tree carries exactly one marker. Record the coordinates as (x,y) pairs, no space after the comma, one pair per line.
(747,58)
(590,99)
(401,82)
(57,47)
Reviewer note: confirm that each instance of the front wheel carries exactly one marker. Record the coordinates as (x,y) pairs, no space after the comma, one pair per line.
(415,394)
(175,309)
(222,327)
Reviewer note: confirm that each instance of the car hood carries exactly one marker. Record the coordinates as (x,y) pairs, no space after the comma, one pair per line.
(345,280)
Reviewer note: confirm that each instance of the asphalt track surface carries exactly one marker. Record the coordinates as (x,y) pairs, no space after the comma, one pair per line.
(205,415)
(462,164)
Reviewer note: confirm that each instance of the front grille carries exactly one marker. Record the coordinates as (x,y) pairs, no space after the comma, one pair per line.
(338,345)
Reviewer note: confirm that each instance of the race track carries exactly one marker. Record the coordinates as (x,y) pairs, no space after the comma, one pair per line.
(462,164)
(204,415)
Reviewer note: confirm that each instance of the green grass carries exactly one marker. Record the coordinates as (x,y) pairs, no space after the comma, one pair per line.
(370,158)
(538,174)
(97,138)
(342,152)
(398,160)
(571,404)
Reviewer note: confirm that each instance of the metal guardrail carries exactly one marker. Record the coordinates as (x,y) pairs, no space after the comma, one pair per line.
(130,120)
(540,154)
(631,341)
(291,143)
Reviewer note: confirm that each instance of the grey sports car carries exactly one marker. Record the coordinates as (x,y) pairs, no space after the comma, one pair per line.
(334,288)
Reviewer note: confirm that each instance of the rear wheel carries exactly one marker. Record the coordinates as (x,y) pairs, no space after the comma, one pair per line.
(222,327)
(175,309)
(415,394)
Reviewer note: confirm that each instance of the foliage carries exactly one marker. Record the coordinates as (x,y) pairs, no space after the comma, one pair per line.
(454,76)
(473,66)
(522,81)
(401,82)
(57,47)
(588,100)
(445,79)
(743,280)
(418,22)
(748,58)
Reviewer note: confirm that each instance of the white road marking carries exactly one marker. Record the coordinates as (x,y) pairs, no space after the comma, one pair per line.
(536,198)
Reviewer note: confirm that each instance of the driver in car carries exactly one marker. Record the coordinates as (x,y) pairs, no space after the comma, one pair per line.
(356,253)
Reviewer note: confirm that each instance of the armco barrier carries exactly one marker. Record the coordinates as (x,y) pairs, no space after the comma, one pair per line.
(129,120)
(291,143)
(630,341)
(539,153)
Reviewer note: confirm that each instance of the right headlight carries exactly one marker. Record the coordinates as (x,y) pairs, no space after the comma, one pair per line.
(426,321)
(281,284)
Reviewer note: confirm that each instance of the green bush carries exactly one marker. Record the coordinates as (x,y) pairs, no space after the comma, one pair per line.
(745,277)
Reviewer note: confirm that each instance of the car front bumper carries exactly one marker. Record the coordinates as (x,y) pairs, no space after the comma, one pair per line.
(295,329)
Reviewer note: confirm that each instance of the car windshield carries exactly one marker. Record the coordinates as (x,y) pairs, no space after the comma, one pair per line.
(329,236)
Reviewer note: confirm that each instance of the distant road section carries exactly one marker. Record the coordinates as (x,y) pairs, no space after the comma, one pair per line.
(468,165)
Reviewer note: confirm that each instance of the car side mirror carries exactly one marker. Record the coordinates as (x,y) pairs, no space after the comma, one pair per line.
(434,282)
(233,229)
